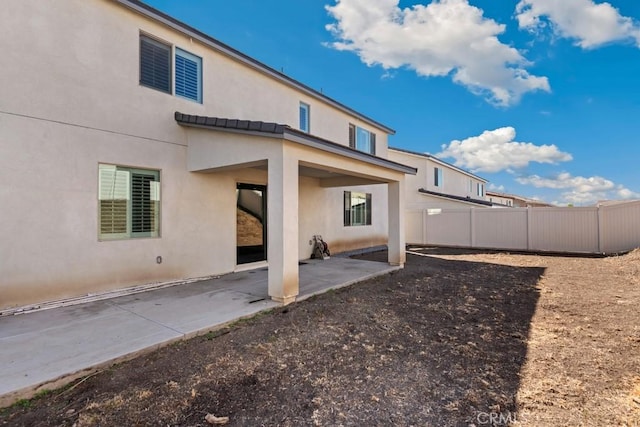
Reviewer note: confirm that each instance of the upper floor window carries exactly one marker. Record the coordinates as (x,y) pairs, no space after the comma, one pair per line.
(480,188)
(155,64)
(188,75)
(361,139)
(437,177)
(357,208)
(305,117)
(156,69)
(129,202)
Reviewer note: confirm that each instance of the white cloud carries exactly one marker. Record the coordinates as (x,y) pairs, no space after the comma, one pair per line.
(590,24)
(496,150)
(445,37)
(494,187)
(579,190)
(565,180)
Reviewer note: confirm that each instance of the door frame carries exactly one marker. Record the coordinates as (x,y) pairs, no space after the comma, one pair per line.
(263,189)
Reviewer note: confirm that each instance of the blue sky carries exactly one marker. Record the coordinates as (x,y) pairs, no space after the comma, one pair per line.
(540,97)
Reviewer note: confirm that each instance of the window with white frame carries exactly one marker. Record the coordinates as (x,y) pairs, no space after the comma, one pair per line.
(129,202)
(188,75)
(480,188)
(361,139)
(437,177)
(357,208)
(157,69)
(305,117)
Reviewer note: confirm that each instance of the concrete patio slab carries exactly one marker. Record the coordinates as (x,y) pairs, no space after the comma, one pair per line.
(189,315)
(48,348)
(52,343)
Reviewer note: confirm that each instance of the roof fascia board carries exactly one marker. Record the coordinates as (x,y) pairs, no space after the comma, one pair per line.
(341,150)
(449,199)
(437,160)
(495,193)
(475,202)
(230,52)
(515,197)
(449,165)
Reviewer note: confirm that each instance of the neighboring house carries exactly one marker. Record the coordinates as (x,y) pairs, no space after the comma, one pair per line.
(602,203)
(438,184)
(513,201)
(136,149)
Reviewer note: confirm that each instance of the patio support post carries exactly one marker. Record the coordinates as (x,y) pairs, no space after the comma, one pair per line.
(282,227)
(397,255)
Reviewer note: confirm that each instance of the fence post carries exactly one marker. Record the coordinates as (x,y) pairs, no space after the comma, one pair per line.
(473,226)
(600,226)
(528,228)
(425,213)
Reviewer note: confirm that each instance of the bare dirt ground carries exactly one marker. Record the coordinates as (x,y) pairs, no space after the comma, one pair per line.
(457,338)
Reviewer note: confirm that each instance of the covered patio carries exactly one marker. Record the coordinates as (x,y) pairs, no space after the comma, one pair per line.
(286,154)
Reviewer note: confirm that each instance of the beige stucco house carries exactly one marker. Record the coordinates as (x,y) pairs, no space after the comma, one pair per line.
(438,184)
(136,149)
(514,201)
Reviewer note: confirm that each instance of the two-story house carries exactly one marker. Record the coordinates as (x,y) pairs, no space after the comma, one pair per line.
(514,201)
(438,184)
(136,149)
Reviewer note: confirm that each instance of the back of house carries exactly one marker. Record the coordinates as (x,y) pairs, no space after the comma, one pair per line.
(136,149)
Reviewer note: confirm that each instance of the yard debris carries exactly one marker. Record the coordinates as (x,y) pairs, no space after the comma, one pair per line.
(320,248)
(212,419)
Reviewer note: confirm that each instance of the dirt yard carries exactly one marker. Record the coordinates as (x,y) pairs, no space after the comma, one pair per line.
(457,338)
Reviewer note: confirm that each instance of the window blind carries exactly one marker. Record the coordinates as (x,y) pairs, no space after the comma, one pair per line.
(155,64)
(188,75)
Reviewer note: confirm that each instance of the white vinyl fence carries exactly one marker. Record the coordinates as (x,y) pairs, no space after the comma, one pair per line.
(598,230)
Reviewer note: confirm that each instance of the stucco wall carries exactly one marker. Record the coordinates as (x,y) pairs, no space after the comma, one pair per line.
(500,199)
(50,245)
(321,212)
(90,51)
(454,183)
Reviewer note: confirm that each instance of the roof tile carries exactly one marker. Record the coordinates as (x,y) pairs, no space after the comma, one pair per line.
(255,125)
(218,122)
